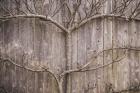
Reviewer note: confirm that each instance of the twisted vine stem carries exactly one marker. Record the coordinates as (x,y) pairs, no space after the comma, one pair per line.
(59,78)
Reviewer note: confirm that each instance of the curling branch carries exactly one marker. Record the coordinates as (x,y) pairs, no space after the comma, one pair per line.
(82,69)
(134,11)
(101,16)
(34,70)
(42,17)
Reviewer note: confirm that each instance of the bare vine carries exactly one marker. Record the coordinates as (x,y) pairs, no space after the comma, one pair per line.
(59,78)
(33,70)
(77,13)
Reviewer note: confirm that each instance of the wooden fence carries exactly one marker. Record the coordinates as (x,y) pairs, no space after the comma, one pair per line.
(32,43)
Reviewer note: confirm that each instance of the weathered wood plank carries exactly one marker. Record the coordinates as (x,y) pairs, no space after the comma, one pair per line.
(120,39)
(107,54)
(91,41)
(100,42)
(134,55)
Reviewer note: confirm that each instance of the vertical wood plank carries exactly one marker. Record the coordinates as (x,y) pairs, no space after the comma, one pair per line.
(120,69)
(91,52)
(107,54)
(99,41)
(134,55)
(81,57)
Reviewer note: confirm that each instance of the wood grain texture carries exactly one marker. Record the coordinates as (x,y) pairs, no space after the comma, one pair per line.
(86,43)
(37,44)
